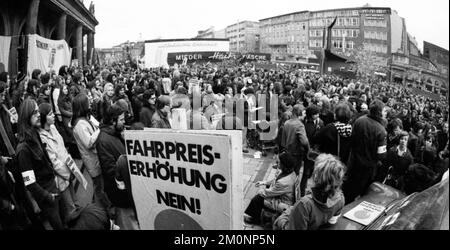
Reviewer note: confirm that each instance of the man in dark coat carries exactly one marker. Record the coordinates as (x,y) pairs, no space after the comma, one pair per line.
(368,150)
(110,146)
(294,139)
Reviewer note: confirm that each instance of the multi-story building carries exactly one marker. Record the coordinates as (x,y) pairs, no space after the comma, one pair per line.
(285,36)
(122,52)
(243,36)
(74,23)
(356,29)
(428,72)
(439,57)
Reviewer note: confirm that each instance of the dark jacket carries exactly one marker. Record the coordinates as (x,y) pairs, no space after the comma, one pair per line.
(12,193)
(368,149)
(146,115)
(294,139)
(312,129)
(110,146)
(327,140)
(33,160)
(65,107)
(159,120)
(368,143)
(400,165)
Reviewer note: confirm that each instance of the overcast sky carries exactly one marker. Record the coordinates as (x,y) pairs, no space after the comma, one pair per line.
(122,20)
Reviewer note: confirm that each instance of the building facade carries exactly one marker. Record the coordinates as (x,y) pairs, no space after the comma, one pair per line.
(285,36)
(244,37)
(131,51)
(52,19)
(428,72)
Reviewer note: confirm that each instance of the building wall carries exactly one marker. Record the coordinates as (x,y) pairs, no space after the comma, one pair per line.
(15,20)
(298,35)
(243,36)
(285,37)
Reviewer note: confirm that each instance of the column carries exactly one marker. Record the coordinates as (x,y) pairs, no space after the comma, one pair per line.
(32,17)
(90,48)
(79,44)
(62,22)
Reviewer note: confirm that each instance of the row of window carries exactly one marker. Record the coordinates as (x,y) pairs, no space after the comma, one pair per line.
(352,33)
(315,43)
(377,48)
(350,21)
(345,32)
(335,13)
(339,44)
(375,23)
(296,50)
(290,27)
(375,35)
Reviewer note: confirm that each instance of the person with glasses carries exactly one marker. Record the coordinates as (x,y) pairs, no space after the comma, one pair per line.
(35,164)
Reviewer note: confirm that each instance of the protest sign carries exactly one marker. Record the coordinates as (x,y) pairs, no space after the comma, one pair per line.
(70,163)
(179,119)
(186,180)
(46,54)
(14,116)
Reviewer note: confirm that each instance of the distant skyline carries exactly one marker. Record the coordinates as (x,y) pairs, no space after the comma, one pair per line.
(169,19)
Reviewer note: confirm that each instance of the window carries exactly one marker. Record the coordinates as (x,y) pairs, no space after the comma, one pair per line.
(315,43)
(350,45)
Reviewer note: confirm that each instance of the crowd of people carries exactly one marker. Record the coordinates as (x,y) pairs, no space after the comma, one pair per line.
(344,134)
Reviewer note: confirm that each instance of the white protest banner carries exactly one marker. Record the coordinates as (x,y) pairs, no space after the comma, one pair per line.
(179,119)
(46,54)
(14,116)
(5,45)
(186,180)
(70,163)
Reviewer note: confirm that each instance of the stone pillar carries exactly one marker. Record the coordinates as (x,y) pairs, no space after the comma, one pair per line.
(62,22)
(79,44)
(32,17)
(90,48)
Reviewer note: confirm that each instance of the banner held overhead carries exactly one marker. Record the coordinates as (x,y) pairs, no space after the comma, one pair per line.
(46,54)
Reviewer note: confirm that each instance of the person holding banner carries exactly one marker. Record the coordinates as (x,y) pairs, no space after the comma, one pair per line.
(54,144)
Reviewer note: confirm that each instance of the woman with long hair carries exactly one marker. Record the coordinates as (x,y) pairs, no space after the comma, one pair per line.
(324,205)
(35,165)
(86,132)
(54,144)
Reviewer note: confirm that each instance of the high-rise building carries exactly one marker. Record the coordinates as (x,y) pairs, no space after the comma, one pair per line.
(285,36)
(244,36)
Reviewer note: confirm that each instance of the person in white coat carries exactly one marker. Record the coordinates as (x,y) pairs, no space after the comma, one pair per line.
(57,152)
